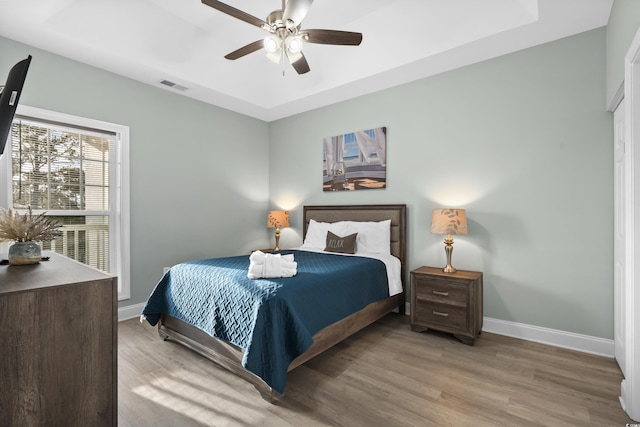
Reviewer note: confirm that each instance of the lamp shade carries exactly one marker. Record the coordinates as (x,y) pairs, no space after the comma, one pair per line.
(278,219)
(449,221)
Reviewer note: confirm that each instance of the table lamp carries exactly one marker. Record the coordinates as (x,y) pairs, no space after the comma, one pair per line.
(448,221)
(278,220)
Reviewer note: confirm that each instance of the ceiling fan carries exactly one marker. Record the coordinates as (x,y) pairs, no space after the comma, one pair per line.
(285,35)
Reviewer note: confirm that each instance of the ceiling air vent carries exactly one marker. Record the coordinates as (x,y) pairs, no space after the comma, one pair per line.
(173,85)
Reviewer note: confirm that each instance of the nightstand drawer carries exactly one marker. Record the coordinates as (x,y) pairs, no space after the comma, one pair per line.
(440,291)
(442,315)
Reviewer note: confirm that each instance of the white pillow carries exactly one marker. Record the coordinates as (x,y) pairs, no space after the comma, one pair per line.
(316,237)
(373,237)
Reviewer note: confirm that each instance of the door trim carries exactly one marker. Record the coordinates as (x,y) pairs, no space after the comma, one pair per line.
(630,386)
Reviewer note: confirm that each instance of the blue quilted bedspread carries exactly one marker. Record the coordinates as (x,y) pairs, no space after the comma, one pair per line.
(273,320)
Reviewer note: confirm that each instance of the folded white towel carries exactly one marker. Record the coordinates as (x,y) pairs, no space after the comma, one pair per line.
(271,265)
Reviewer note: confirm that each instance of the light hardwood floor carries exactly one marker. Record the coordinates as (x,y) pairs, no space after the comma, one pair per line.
(385,375)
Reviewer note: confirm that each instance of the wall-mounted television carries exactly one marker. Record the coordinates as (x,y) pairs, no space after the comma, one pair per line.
(9,98)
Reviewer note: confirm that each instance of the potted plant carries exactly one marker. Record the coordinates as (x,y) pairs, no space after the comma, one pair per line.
(25,230)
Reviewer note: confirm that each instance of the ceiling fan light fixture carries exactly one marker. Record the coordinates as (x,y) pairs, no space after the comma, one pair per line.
(293,44)
(275,56)
(294,57)
(272,44)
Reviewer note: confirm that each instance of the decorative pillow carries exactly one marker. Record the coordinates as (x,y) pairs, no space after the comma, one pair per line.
(345,245)
(316,237)
(373,237)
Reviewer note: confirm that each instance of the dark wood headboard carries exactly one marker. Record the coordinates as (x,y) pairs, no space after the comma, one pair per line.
(396,213)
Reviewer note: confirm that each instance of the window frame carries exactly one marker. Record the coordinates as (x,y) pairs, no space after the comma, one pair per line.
(119,212)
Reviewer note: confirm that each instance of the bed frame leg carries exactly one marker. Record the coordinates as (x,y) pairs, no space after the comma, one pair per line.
(268,394)
(162,333)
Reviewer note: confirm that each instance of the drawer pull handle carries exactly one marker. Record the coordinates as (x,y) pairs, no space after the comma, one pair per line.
(439,313)
(444,294)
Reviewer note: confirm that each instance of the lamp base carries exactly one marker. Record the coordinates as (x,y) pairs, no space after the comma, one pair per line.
(277,248)
(448,248)
(449,269)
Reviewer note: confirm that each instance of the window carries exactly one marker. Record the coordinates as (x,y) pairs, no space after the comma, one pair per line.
(76,170)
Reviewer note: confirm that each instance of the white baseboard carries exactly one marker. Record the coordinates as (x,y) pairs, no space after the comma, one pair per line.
(569,340)
(129,311)
(554,337)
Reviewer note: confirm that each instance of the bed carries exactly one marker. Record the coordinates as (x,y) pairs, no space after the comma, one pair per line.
(236,358)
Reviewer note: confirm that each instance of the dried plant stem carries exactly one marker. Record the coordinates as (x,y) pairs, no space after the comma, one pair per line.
(26,228)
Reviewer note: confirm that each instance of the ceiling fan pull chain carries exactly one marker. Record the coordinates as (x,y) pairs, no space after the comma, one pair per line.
(282,62)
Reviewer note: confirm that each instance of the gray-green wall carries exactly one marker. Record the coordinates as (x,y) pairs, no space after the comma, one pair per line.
(523,142)
(624,21)
(199,173)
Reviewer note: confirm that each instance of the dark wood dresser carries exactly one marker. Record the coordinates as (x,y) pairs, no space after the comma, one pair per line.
(58,345)
(448,302)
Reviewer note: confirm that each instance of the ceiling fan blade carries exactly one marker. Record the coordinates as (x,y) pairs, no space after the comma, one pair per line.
(237,13)
(296,10)
(346,38)
(245,50)
(301,66)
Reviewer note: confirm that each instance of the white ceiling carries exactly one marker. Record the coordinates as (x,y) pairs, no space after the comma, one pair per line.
(184,41)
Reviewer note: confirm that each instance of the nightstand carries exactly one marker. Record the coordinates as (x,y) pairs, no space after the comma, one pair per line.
(448,302)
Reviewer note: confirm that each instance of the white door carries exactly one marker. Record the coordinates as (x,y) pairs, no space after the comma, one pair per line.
(619,235)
